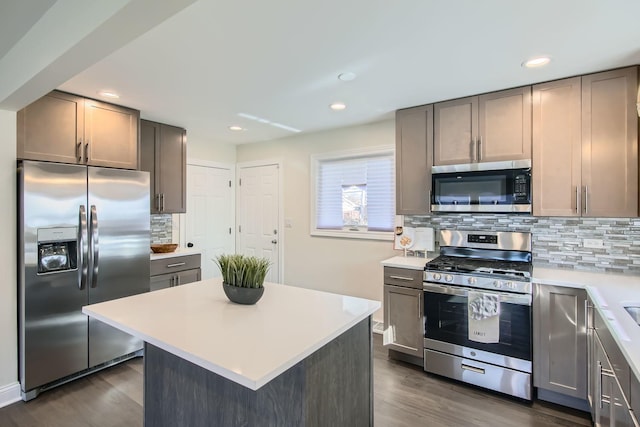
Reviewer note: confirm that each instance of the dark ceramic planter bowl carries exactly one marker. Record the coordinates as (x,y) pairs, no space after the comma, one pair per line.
(246,296)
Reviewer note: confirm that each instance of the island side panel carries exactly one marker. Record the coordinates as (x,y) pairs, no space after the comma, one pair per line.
(333,386)
(339,389)
(180,393)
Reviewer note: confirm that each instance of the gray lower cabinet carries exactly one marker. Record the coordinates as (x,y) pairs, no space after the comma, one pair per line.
(611,384)
(174,271)
(560,345)
(403,312)
(414,159)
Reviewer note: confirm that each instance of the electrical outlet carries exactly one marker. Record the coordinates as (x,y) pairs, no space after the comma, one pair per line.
(593,243)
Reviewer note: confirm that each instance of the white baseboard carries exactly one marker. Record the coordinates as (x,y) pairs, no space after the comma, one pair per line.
(9,394)
(378,327)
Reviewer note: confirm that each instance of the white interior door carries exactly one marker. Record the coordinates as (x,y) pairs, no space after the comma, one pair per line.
(259,215)
(210,214)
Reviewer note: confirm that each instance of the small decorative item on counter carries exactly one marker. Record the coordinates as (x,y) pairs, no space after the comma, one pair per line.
(243,277)
(163,248)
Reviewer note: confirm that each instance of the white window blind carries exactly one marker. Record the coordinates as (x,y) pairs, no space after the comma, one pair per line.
(356,192)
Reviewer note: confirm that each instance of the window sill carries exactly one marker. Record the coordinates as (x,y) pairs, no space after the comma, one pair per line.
(349,234)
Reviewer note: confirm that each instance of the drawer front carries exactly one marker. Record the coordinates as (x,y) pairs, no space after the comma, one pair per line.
(619,363)
(403,277)
(174,264)
(478,373)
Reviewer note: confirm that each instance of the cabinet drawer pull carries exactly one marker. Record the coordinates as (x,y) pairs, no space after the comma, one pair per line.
(472,369)
(407,279)
(177,264)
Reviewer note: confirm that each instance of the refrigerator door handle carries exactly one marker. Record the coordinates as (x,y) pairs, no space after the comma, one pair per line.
(82,248)
(94,247)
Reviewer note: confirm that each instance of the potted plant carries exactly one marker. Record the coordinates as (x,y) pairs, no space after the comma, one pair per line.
(243,277)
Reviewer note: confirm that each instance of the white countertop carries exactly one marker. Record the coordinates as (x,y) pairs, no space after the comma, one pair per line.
(248,344)
(177,252)
(410,262)
(610,294)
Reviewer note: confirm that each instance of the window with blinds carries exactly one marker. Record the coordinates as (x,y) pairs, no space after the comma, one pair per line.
(353,193)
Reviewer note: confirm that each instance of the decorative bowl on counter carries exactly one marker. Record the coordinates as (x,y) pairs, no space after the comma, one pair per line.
(163,248)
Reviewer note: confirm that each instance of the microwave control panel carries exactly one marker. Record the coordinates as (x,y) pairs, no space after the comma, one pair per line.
(521,187)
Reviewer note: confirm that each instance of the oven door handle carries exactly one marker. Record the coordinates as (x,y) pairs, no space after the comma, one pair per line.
(509,298)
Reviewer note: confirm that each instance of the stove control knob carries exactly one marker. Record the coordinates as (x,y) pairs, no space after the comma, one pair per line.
(472,280)
(497,284)
(448,277)
(437,276)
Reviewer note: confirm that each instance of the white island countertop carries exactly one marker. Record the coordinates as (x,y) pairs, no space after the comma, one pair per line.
(248,344)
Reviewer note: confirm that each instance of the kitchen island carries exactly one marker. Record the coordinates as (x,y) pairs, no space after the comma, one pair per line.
(298,357)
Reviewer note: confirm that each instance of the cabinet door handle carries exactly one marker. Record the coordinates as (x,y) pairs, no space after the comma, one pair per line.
(178,280)
(171,281)
(474,151)
(161,202)
(79,151)
(86,152)
(407,279)
(480,149)
(586,199)
(577,199)
(587,307)
(420,306)
(177,264)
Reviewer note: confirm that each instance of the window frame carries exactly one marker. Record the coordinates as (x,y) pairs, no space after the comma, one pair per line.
(315,160)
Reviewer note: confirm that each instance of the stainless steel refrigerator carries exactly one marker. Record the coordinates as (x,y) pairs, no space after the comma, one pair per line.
(83,238)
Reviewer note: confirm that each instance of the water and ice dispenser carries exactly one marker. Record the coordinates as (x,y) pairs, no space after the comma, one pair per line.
(57,249)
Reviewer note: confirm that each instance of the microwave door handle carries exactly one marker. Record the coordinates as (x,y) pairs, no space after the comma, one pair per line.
(94,246)
(82,248)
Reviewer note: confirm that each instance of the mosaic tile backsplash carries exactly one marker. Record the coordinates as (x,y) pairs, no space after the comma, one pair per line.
(161,227)
(557,242)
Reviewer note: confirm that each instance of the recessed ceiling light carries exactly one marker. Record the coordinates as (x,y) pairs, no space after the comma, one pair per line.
(347,77)
(536,62)
(109,94)
(235,128)
(337,106)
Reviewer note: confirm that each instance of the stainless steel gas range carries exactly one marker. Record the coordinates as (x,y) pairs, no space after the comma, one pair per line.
(477,310)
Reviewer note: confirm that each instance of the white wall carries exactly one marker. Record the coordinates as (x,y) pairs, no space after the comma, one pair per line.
(347,266)
(8,260)
(212,151)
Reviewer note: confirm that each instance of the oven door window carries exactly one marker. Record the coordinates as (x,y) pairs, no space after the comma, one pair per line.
(446,320)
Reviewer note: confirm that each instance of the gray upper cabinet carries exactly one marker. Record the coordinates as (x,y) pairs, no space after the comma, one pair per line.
(164,156)
(560,340)
(585,146)
(487,128)
(610,143)
(557,148)
(110,135)
(65,128)
(414,158)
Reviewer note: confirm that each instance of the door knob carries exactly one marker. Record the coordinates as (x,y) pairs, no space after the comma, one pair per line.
(189,245)
(274,241)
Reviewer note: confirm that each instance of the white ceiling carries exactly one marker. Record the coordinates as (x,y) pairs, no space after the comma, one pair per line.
(279,59)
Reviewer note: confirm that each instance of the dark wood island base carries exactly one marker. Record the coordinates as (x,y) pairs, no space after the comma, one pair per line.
(331,387)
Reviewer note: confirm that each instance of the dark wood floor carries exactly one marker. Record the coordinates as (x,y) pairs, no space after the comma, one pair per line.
(404,396)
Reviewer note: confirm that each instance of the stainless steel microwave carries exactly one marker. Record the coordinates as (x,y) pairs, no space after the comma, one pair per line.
(503,187)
